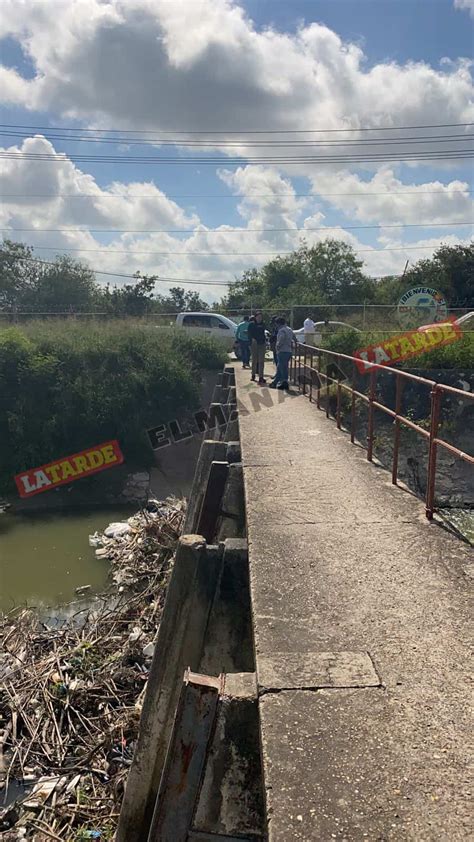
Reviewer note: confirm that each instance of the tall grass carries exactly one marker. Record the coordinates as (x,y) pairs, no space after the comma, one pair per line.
(459,355)
(67,386)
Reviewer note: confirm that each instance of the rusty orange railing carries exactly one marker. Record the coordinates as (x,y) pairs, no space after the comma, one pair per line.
(310,379)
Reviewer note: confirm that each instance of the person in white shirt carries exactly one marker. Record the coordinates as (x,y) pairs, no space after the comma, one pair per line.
(309,330)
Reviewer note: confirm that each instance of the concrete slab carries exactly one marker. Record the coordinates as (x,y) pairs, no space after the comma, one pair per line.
(357,765)
(343,562)
(316,670)
(312,501)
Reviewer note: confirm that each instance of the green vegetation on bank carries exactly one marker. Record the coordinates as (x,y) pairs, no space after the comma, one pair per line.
(318,278)
(459,355)
(68,386)
(329,274)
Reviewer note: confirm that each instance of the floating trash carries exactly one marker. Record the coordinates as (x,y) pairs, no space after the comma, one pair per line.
(71,694)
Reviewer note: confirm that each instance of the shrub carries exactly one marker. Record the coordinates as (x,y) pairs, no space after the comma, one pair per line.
(65,387)
(459,355)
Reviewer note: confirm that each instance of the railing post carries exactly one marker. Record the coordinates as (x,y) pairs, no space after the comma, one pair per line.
(311,377)
(396,439)
(370,422)
(338,405)
(304,367)
(431,479)
(353,403)
(327,390)
(299,368)
(318,395)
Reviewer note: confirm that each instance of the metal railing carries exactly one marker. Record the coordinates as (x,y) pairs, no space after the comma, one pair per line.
(312,379)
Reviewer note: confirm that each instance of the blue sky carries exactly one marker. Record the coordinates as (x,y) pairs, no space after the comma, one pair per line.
(215,65)
(389,30)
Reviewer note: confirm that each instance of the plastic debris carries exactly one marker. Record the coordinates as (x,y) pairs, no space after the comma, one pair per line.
(71,693)
(114,530)
(95,540)
(149,650)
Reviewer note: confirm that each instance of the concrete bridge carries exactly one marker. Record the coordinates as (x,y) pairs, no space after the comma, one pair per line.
(345,613)
(361,625)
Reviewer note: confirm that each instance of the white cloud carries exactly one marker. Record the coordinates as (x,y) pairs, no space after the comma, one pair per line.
(136,205)
(385,198)
(465,4)
(163,65)
(203,65)
(268,200)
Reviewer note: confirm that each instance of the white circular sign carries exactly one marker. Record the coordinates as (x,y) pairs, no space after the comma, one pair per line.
(422,305)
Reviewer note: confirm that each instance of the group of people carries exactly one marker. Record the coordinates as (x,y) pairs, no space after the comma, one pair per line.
(252,337)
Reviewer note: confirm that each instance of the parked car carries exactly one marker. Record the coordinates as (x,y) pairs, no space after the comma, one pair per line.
(461,321)
(318,335)
(211,324)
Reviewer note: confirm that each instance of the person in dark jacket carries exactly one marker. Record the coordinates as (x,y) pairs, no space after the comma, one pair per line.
(258,342)
(242,336)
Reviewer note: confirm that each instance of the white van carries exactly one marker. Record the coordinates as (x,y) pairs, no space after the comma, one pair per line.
(209,324)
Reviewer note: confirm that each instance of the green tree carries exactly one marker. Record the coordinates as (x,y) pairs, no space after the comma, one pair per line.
(450,270)
(246,292)
(131,299)
(17,272)
(327,273)
(179,299)
(66,287)
(282,274)
(333,274)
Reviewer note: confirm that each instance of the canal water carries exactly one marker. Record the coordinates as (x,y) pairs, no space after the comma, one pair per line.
(45,557)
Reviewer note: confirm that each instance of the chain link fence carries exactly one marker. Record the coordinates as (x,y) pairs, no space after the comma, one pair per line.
(365,317)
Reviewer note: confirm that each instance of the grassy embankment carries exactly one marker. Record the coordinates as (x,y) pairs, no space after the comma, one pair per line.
(67,386)
(459,355)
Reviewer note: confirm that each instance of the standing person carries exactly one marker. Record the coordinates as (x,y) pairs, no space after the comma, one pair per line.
(309,328)
(285,340)
(242,337)
(258,340)
(251,322)
(273,337)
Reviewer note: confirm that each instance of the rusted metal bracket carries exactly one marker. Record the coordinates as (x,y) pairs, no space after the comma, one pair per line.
(180,783)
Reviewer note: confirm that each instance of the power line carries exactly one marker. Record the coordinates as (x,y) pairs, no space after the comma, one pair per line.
(239,196)
(239,230)
(241,131)
(60,157)
(133,277)
(210,253)
(186,142)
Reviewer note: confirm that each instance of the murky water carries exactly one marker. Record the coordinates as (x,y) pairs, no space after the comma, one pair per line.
(462,520)
(45,557)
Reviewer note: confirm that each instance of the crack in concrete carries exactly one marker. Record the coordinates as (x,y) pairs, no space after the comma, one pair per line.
(273,691)
(343,522)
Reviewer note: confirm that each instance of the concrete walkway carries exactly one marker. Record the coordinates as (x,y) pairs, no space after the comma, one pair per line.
(361,623)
